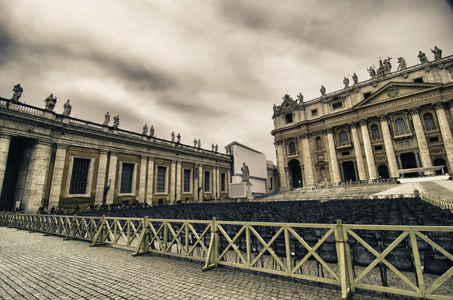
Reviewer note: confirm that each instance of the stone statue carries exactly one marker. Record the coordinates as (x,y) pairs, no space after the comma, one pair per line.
(67,109)
(145,129)
(212,147)
(437,53)
(173,137)
(422,57)
(199,143)
(216,148)
(402,63)
(300,97)
(245,173)
(372,72)
(106,119)
(195,142)
(388,65)
(50,102)
(17,89)
(345,82)
(116,121)
(381,69)
(355,78)
(178,138)
(323,90)
(151,131)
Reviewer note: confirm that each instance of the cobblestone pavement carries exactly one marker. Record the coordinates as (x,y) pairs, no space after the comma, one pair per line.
(33,266)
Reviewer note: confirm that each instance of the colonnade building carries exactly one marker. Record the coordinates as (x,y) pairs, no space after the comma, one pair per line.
(396,124)
(49,159)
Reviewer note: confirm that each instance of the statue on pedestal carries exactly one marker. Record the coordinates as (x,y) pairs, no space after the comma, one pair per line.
(437,53)
(50,102)
(195,142)
(323,90)
(17,89)
(173,137)
(151,131)
(178,138)
(199,143)
(245,173)
(402,63)
(216,148)
(422,57)
(106,119)
(300,97)
(67,109)
(372,72)
(355,78)
(346,82)
(116,121)
(145,129)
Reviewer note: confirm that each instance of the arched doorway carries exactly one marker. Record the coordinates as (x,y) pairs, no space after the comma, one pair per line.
(441,162)
(348,171)
(408,161)
(295,174)
(383,172)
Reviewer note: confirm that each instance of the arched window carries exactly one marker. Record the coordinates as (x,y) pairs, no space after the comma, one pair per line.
(400,125)
(292,148)
(429,121)
(343,137)
(375,132)
(318,142)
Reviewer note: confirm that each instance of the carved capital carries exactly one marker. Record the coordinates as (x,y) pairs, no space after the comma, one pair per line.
(438,105)
(414,110)
(304,135)
(363,121)
(278,142)
(383,117)
(353,124)
(329,130)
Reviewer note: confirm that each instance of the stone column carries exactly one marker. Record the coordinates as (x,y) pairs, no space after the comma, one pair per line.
(228,180)
(284,183)
(358,151)
(217,182)
(354,162)
(368,150)
(59,166)
(178,180)
(400,164)
(308,165)
(333,157)
(388,145)
(112,177)
(142,179)
(200,190)
(213,183)
(37,174)
(417,161)
(172,181)
(421,140)
(340,165)
(102,172)
(150,182)
(5,142)
(446,132)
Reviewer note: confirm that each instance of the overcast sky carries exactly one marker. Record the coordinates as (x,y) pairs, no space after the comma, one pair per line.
(206,69)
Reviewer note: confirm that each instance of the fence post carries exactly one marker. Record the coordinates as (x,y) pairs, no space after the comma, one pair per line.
(343,261)
(143,242)
(212,256)
(71,229)
(101,235)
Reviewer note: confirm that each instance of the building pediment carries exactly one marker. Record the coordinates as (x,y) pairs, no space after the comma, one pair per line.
(395,90)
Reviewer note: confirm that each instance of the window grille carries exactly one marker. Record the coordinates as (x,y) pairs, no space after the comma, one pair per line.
(343,138)
(187,177)
(160,181)
(79,178)
(429,121)
(126,178)
(375,132)
(400,126)
(207,181)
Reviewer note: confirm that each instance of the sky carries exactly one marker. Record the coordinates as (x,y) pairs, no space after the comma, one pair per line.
(210,70)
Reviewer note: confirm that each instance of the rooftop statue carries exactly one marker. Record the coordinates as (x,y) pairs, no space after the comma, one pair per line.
(372,71)
(195,142)
(116,121)
(216,148)
(346,82)
(300,97)
(17,89)
(437,53)
(151,131)
(67,109)
(323,90)
(245,173)
(50,102)
(145,129)
(178,138)
(212,147)
(106,119)
(402,63)
(388,65)
(172,136)
(422,57)
(355,78)
(199,143)
(381,69)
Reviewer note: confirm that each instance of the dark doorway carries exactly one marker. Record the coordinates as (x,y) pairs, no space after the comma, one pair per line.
(441,162)
(348,171)
(383,172)
(408,161)
(13,165)
(295,173)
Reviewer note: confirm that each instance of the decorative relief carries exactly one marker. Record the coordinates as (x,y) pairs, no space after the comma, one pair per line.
(438,105)
(405,75)
(414,110)
(405,144)
(437,151)
(427,69)
(383,117)
(380,158)
(392,91)
(363,121)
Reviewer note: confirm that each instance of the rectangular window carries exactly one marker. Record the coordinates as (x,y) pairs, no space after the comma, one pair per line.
(433,139)
(289,118)
(187,177)
(337,105)
(223,182)
(160,181)
(378,148)
(418,80)
(314,112)
(366,95)
(207,181)
(126,178)
(79,178)
(345,153)
(271,185)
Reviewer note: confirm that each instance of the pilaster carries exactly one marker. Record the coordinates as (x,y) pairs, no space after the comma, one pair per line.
(112,177)
(388,145)
(59,166)
(333,157)
(178,180)
(358,152)
(102,172)
(150,182)
(308,166)
(446,132)
(368,150)
(172,182)
(142,179)
(421,140)
(5,142)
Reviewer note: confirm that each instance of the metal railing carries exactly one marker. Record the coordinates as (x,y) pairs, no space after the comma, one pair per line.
(328,253)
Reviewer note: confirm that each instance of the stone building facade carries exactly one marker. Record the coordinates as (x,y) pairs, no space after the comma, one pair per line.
(49,159)
(392,125)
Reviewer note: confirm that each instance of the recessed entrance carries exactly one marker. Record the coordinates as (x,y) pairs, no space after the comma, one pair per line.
(383,172)
(408,161)
(295,174)
(348,171)
(440,162)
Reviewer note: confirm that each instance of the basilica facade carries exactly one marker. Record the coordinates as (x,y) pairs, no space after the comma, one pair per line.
(49,159)
(396,124)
